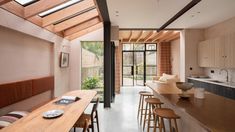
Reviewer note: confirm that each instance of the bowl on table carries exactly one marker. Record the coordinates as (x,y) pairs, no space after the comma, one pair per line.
(184,87)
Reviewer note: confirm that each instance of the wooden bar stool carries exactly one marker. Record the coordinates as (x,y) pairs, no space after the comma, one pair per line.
(165,113)
(151,104)
(143,95)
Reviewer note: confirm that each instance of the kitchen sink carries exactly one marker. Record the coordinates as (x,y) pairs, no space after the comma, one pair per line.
(216,81)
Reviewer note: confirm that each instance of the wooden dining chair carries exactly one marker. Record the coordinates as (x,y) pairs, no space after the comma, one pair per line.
(89,118)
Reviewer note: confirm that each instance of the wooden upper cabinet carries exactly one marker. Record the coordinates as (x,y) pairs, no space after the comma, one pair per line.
(229,51)
(218,52)
(206,53)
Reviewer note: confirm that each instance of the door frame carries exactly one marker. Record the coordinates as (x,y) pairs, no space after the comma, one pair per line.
(133,51)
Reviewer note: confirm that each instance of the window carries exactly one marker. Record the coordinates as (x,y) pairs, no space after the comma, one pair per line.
(151,47)
(92,66)
(57,8)
(25,2)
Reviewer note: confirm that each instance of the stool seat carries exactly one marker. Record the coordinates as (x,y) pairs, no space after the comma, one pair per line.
(146,94)
(153,101)
(166,113)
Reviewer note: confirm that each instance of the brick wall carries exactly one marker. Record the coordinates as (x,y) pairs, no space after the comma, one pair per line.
(164,58)
(118,68)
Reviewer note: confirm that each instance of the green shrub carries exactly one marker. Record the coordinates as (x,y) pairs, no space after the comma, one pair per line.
(90,83)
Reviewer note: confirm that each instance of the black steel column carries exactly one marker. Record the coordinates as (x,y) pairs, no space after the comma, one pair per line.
(107,65)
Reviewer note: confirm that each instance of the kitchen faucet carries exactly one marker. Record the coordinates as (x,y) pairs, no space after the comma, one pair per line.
(226,74)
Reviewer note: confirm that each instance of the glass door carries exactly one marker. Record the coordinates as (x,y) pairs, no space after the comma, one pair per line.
(128,68)
(139,68)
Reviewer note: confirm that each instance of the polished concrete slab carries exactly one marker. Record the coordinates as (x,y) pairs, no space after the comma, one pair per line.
(122,116)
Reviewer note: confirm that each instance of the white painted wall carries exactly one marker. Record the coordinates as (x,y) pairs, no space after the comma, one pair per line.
(24,57)
(182,55)
(75,57)
(175,57)
(215,31)
(189,40)
(16,23)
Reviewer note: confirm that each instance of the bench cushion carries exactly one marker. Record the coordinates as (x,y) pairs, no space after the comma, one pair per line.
(11,117)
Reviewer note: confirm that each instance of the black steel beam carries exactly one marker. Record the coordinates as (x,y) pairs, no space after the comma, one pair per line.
(180,13)
(107,65)
(102,5)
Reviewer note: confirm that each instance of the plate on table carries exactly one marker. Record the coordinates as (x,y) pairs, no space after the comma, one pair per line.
(52,114)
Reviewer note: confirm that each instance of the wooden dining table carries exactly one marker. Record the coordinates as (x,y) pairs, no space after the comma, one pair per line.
(34,122)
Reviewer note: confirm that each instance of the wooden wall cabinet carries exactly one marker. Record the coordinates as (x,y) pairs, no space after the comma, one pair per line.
(218,52)
(206,53)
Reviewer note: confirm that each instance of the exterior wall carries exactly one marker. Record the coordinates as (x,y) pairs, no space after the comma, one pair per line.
(175,57)
(215,31)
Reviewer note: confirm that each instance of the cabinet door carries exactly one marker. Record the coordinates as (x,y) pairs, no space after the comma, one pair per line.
(219,52)
(230,51)
(211,53)
(202,54)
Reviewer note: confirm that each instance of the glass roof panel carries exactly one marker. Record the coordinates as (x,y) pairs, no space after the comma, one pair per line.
(57,8)
(25,2)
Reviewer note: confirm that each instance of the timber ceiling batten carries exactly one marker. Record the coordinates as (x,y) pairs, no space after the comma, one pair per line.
(150,36)
(72,10)
(139,37)
(66,18)
(2,2)
(130,36)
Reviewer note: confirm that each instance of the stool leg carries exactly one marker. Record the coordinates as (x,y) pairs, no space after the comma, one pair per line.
(149,117)
(170,125)
(176,127)
(160,124)
(155,123)
(142,109)
(145,115)
(163,125)
(139,106)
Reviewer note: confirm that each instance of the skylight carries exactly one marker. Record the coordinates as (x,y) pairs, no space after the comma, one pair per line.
(57,8)
(25,2)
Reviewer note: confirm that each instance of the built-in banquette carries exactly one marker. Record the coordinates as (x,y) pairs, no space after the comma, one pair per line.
(15,92)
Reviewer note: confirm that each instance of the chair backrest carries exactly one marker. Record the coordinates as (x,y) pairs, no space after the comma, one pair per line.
(94,108)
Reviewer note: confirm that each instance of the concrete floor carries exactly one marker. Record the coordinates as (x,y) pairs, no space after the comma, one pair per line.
(122,116)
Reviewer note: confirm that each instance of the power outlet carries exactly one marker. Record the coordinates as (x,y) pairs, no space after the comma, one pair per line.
(212,71)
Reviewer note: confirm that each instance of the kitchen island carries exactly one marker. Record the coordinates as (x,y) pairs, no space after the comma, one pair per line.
(212,114)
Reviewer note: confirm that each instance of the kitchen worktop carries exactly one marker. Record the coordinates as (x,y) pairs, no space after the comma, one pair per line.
(207,80)
(213,113)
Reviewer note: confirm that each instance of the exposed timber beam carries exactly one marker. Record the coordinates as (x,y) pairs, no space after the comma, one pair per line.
(2,2)
(130,36)
(139,37)
(69,11)
(85,31)
(81,26)
(75,20)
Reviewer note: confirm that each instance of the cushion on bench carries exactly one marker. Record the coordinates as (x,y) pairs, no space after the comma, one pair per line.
(11,117)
